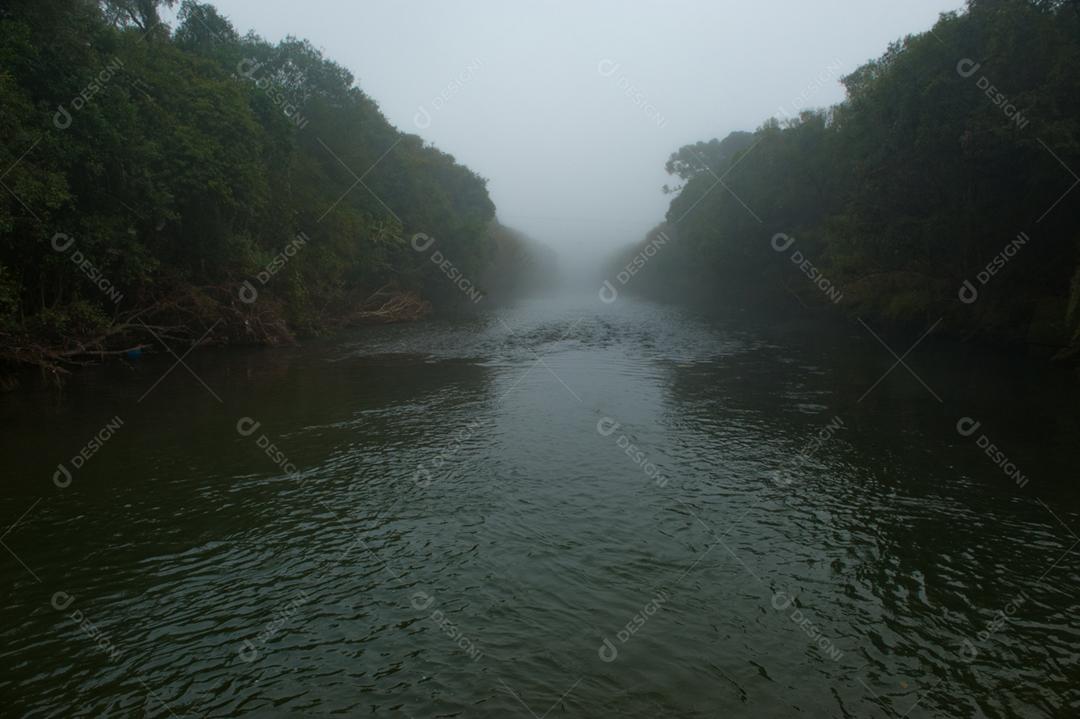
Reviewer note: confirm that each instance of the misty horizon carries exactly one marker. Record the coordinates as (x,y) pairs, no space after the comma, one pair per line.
(486,358)
(570,110)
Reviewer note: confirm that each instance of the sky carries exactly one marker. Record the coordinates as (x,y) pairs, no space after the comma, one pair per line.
(570,108)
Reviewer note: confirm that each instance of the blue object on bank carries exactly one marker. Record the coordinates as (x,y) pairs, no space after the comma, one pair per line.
(135,353)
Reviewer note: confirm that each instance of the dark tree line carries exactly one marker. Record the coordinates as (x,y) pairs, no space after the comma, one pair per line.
(949,150)
(149,171)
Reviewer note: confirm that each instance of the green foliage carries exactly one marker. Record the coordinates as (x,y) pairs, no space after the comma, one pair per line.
(183,164)
(909,187)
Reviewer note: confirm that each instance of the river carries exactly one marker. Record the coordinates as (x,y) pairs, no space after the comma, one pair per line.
(555,508)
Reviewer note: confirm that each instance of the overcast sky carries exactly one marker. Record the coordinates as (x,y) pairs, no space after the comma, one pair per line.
(571,107)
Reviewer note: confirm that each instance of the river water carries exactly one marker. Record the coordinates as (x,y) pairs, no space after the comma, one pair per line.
(556,508)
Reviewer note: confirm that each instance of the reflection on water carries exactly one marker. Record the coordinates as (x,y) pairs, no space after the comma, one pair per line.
(561,506)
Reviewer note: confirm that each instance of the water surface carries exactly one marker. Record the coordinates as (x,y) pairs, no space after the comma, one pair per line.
(558,508)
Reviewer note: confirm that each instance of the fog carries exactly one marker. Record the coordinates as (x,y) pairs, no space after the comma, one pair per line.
(570,109)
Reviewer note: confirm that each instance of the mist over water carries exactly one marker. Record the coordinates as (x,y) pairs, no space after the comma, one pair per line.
(563,359)
(665,513)
(571,109)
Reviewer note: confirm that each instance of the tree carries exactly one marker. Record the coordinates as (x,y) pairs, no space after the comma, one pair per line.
(141,13)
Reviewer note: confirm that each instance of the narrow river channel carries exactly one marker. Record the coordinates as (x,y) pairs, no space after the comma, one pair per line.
(557,508)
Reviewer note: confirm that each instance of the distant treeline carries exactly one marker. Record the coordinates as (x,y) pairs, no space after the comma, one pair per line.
(944,187)
(166,183)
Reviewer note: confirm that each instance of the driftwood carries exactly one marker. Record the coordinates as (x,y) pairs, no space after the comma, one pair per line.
(57,359)
(182,317)
(388,304)
(158,324)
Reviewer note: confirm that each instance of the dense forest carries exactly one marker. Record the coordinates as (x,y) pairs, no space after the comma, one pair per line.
(196,185)
(941,188)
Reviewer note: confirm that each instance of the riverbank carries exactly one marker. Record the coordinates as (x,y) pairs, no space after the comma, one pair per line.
(175,187)
(914,202)
(789,281)
(227,322)
(240,315)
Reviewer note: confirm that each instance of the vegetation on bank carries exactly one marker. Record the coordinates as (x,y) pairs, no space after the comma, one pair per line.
(945,186)
(195,185)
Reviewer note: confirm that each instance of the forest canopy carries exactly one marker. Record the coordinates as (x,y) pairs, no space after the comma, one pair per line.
(152,173)
(941,188)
